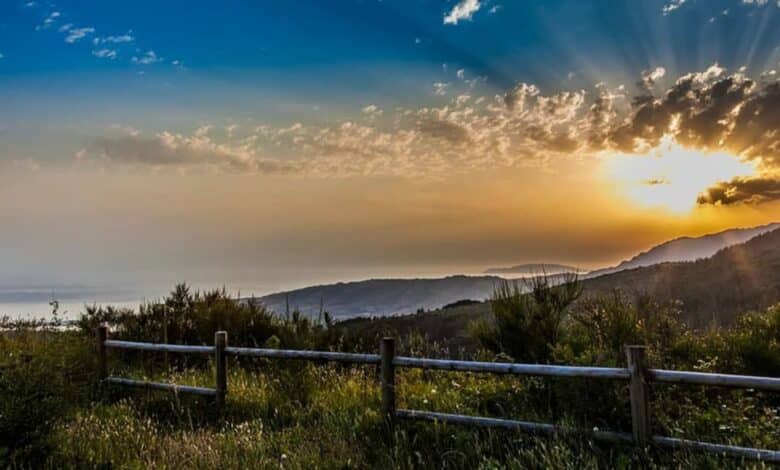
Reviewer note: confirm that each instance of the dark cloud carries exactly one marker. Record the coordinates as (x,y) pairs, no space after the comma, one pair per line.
(443,129)
(742,190)
(173,150)
(713,111)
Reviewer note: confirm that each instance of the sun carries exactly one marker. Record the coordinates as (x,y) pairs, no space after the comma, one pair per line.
(671,176)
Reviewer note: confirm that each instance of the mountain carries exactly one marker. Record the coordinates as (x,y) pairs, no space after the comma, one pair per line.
(535,269)
(688,248)
(736,279)
(382,296)
(652,271)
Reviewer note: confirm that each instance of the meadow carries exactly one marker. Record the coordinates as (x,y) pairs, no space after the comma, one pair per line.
(286,414)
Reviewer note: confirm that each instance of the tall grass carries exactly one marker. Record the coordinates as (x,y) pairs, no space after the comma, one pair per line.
(327,417)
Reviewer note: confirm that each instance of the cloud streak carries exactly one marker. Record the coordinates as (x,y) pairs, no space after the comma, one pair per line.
(105,47)
(463,10)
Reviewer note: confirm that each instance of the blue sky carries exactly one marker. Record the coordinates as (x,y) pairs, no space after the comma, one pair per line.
(314,61)
(373,115)
(362,50)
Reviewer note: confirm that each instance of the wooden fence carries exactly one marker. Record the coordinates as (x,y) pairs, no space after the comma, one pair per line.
(637,374)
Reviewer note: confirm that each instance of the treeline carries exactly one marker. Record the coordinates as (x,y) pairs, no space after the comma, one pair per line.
(540,322)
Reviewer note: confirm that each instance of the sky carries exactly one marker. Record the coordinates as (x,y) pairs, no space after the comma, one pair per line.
(266,145)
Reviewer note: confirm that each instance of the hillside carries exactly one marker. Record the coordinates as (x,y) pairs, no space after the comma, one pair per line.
(737,279)
(382,296)
(688,248)
(534,269)
(377,297)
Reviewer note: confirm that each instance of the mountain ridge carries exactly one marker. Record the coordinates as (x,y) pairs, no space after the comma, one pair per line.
(535,269)
(688,248)
(398,296)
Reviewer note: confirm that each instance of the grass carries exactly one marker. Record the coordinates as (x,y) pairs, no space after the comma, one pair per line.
(299,415)
(288,414)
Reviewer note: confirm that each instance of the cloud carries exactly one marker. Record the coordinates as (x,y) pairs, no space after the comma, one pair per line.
(649,77)
(105,53)
(76,34)
(2,56)
(167,149)
(708,111)
(440,88)
(463,10)
(49,20)
(372,111)
(713,111)
(119,39)
(671,6)
(743,190)
(150,57)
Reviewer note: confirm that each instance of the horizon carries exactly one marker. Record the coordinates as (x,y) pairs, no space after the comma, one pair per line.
(263,146)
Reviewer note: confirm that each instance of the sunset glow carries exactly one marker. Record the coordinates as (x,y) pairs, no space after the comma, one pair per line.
(261,145)
(672,176)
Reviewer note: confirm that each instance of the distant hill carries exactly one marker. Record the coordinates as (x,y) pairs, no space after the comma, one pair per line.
(382,296)
(378,297)
(736,279)
(535,269)
(688,248)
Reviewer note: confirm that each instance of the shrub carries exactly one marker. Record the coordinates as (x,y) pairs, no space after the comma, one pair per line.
(43,376)
(528,326)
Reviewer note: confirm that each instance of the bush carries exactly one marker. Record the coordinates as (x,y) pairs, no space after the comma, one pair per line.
(185,317)
(528,326)
(43,376)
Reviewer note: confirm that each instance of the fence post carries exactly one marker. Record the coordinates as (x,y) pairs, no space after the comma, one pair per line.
(101,334)
(387,352)
(220,343)
(640,404)
(166,358)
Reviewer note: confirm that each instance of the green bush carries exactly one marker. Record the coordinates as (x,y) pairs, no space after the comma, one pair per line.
(186,317)
(43,376)
(528,326)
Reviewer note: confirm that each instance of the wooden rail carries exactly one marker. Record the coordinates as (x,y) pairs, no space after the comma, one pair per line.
(208,392)
(637,374)
(516,369)
(769,384)
(177,348)
(349,358)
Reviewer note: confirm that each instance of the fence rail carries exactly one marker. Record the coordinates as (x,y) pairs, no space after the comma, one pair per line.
(770,384)
(208,392)
(348,358)
(637,374)
(511,368)
(177,348)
